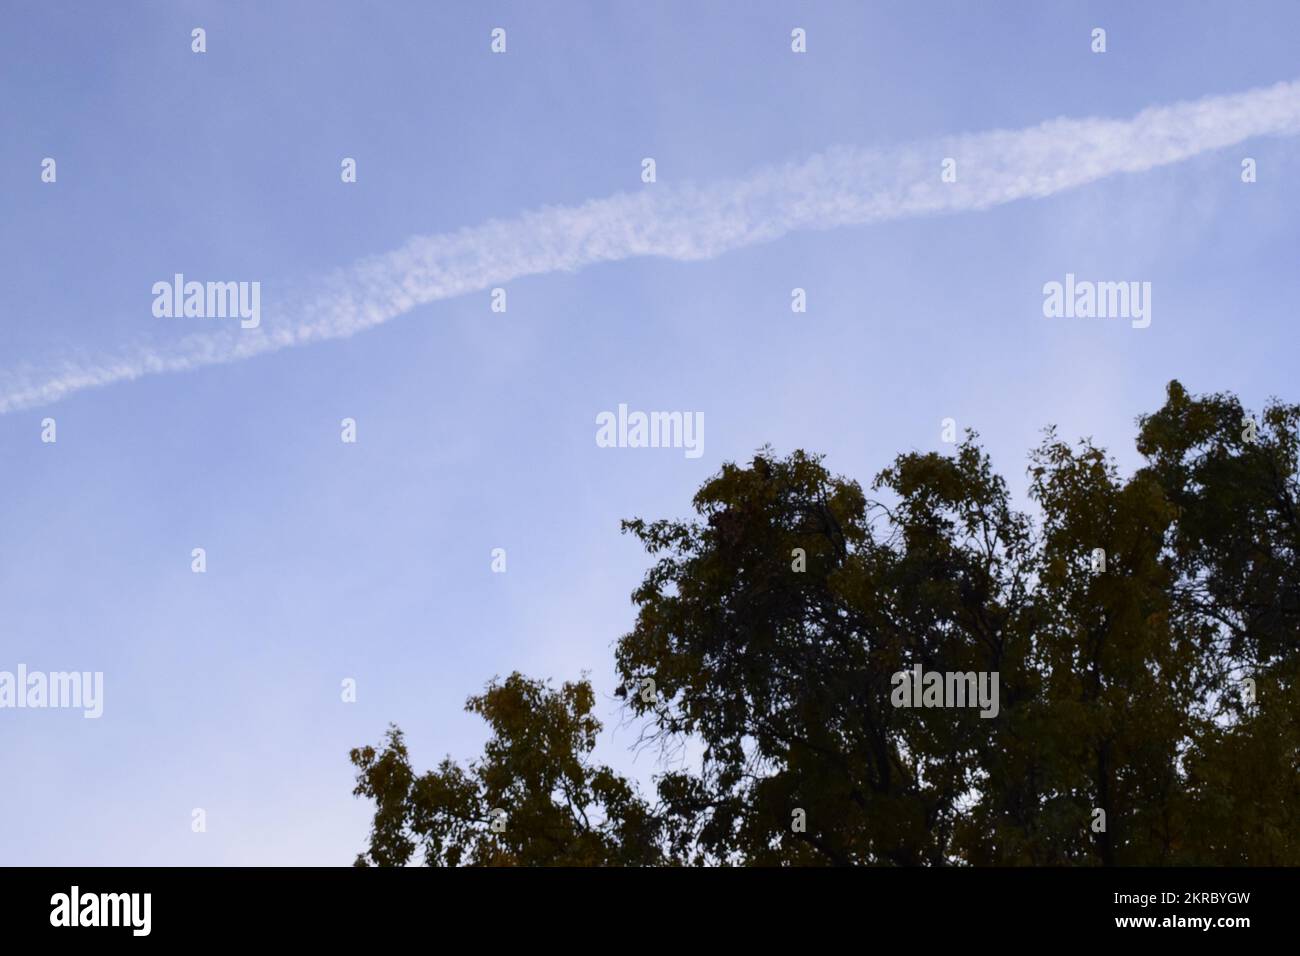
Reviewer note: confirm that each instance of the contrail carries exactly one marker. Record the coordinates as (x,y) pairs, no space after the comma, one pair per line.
(842,186)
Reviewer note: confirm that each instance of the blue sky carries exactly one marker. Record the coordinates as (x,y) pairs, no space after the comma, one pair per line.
(476,429)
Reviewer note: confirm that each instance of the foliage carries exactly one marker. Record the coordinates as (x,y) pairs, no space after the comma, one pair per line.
(772,622)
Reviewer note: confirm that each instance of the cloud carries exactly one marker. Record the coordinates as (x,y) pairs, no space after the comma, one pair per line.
(840,187)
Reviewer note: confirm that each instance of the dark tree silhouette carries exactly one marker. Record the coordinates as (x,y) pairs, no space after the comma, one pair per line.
(534,798)
(1145,633)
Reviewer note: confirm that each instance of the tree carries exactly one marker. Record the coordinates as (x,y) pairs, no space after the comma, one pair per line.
(533,799)
(1235,549)
(1123,624)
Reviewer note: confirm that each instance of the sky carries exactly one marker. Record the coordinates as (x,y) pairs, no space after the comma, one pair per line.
(371,560)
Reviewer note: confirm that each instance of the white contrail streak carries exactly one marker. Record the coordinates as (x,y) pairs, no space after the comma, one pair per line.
(843,186)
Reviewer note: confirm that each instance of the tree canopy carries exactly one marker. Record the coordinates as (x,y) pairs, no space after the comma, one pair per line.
(1144,632)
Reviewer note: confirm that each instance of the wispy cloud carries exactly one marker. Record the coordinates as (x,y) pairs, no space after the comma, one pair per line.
(840,187)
